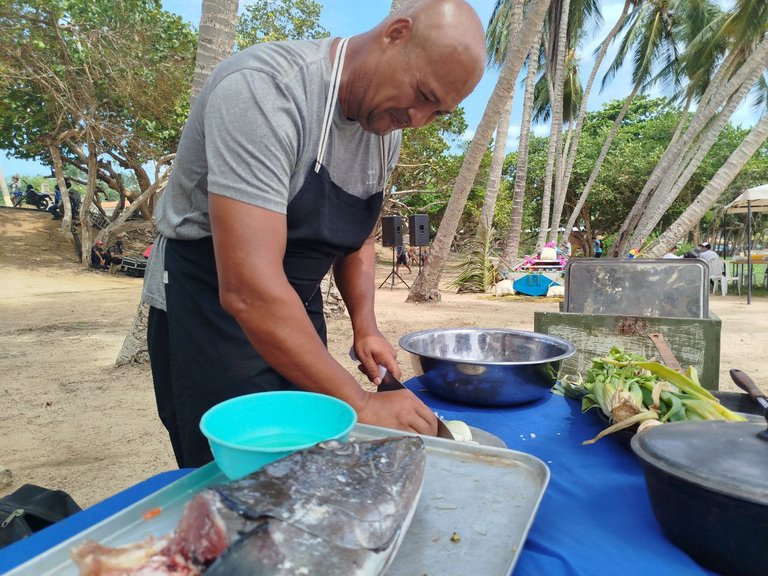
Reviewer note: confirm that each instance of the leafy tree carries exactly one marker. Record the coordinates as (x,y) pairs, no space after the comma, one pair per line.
(94,85)
(273,20)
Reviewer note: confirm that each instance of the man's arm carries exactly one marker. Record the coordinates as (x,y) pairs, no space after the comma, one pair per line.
(355,277)
(249,244)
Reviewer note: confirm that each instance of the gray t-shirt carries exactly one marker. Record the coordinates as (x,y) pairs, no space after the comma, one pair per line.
(253,135)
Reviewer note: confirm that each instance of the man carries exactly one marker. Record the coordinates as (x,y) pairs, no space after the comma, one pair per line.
(99,257)
(706,252)
(671,253)
(115,253)
(402,258)
(271,188)
(599,247)
(17,197)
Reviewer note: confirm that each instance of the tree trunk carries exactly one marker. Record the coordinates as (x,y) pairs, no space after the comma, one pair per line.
(426,286)
(574,144)
(497,165)
(4,187)
(86,233)
(557,125)
(713,190)
(500,144)
(218,22)
(719,90)
(135,349)
(512,246)
(673,183)
(601,157)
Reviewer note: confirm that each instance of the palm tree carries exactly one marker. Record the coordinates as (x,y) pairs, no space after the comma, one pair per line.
(744,31)
(712,191)
(512,244)
(504,20)
(426,286)
(218,23)
(557,48)
(649,34)
(574,143)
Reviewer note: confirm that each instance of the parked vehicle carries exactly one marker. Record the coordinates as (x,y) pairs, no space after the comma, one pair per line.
(33,198)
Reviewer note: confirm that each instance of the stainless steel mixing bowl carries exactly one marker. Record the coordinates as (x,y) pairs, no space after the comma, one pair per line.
(486,366)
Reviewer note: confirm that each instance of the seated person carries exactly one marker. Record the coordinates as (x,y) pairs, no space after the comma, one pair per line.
(706,252)
(99,257)
(115,253)
(54,209)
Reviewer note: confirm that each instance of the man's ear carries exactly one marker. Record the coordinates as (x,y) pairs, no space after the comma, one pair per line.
(399,30)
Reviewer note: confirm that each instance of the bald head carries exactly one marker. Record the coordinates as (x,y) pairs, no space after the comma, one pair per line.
(420,62)
(446,25)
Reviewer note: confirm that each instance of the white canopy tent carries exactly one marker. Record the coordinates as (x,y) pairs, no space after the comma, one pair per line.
(751,200)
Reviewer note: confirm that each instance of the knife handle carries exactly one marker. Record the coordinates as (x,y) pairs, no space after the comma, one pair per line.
(744,382)
(353,356)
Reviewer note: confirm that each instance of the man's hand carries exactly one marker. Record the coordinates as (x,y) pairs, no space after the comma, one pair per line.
(372,351)
(399,409)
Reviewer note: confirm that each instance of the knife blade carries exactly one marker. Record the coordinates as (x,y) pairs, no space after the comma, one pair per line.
(389,383)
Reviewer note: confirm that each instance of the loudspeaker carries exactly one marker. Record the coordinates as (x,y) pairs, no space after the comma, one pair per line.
(418,230)
(391,230)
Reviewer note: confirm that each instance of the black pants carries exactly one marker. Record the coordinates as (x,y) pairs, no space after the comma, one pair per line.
(199,354)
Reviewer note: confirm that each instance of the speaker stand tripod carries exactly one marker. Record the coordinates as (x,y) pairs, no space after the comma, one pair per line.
(393,274)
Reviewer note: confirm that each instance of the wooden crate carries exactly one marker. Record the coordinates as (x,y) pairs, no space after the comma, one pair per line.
(694,341)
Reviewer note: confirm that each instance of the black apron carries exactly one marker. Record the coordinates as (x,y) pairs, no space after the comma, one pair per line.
(209,359)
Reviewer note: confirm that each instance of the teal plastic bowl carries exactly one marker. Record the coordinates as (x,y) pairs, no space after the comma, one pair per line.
(248,432)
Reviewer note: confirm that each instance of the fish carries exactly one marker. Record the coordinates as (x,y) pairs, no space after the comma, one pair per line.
(335,508)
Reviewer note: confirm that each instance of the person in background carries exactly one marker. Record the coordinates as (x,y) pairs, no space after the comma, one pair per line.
(17,198)
(99,257)
(55,208)
(599,247)
(115,253)
(566,248)
(706,252)
(672,253)
(278,178)
(402,258)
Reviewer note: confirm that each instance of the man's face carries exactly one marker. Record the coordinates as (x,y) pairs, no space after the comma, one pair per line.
(407,90)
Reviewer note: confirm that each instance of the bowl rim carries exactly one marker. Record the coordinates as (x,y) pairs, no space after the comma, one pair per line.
(272,393)
(570,348)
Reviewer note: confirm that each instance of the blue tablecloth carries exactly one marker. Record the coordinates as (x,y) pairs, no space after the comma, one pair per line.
(595,518)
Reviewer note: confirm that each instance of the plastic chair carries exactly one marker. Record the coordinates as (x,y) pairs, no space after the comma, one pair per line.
(718,273)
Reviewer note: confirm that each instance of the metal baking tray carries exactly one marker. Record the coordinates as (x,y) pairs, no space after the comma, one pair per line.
(486,496)
(665,288)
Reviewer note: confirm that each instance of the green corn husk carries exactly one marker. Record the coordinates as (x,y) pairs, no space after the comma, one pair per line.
(630,389)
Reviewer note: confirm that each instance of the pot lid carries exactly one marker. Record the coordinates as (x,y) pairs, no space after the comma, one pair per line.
(726,457)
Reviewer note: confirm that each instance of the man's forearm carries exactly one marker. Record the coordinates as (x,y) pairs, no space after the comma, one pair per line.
(355,276)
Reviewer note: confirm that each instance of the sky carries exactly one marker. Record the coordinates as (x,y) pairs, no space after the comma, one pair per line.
(349,17)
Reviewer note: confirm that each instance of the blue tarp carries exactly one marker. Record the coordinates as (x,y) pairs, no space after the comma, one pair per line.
(533,285)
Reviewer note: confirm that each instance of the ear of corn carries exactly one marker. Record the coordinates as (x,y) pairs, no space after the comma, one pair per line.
(630,389)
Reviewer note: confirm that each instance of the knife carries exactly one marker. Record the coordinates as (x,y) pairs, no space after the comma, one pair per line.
(389,383)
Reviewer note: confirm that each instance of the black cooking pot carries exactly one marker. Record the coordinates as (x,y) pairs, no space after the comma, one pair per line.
(708,486)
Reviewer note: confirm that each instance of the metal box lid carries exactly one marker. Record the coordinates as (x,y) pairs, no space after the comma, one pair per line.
(669,288)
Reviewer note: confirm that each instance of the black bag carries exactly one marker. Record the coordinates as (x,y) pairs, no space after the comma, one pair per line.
(32,508)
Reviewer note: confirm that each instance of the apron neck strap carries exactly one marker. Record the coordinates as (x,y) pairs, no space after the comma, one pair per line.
(330,108)
(330,101)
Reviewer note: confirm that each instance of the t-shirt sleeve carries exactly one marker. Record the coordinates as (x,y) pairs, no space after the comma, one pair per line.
(252,139)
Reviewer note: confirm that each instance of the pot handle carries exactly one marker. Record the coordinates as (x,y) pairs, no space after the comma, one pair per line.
(744,382)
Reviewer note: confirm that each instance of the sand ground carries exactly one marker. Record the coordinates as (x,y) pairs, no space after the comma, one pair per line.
(71,420)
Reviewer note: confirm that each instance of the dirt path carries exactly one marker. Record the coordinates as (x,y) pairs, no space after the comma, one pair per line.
(75,422)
